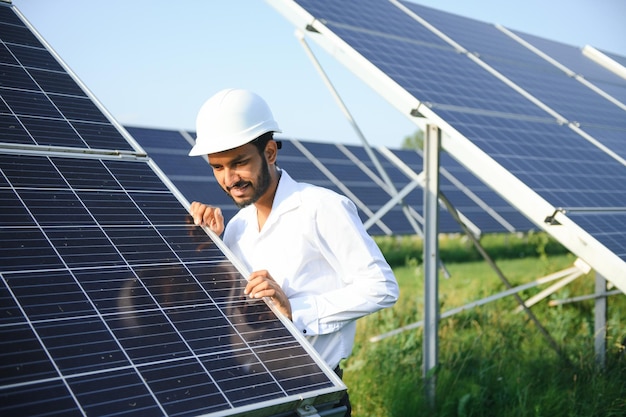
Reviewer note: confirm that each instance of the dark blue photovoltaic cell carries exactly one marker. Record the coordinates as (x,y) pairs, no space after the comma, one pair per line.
(110,296)
(64,115)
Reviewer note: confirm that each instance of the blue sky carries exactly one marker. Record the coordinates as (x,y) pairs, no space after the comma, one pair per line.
(153,62)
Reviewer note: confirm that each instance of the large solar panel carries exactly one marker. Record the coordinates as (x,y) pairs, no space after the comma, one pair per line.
(111,301)
(548,144)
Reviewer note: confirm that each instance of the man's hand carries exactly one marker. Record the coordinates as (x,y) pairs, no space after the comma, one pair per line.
(204,215)
(261,284)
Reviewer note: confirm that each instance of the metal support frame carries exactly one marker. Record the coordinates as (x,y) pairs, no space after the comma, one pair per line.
(432,144)
(553,303)
(581,269)
(391,189)
(523,287)
(599,329)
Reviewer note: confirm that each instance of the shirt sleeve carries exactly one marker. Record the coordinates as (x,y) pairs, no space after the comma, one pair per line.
(364,281)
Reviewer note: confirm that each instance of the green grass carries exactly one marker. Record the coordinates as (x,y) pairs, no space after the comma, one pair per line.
(492,361)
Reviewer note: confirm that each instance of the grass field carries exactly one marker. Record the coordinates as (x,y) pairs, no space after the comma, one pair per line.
(492,361)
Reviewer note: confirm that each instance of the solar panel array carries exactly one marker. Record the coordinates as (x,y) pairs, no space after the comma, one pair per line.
(111,301)
(542,136)
(346,169)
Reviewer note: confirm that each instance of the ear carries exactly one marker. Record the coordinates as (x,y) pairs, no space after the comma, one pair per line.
(271,152)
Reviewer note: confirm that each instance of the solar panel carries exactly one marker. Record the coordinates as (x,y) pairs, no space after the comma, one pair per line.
(544,141)
(554,87)
(107,281)
(111,301)
(42,105)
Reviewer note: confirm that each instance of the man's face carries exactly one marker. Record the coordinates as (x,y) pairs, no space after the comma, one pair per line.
(242,173)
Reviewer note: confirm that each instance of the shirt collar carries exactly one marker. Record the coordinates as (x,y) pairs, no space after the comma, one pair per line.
(286,198)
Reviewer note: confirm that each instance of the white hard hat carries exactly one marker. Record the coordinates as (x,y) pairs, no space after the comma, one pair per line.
(229,119)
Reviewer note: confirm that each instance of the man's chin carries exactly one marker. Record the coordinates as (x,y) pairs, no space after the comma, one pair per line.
(241,203)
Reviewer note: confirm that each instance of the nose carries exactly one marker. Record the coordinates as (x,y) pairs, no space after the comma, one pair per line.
(230,177)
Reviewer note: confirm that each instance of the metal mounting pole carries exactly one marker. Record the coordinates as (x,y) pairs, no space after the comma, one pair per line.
(432,145)
(600,311)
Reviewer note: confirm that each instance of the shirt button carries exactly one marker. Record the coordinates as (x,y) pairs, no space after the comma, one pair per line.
(304,331)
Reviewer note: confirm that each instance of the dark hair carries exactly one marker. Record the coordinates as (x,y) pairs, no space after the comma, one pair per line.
(262,140)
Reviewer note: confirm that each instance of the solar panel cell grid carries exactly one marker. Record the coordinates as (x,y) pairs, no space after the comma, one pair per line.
(557,89)
(104,303)
(573,58)
(34,84)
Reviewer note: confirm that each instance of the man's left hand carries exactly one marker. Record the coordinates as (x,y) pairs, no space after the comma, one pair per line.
(261,284)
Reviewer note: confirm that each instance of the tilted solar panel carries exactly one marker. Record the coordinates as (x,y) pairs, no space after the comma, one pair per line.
(559,90)
(515,120)
(109,283)
(111,301)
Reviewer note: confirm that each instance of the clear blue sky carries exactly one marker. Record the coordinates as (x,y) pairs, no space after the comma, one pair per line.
(153,62)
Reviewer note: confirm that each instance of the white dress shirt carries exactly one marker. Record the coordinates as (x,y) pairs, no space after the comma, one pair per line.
(315,246)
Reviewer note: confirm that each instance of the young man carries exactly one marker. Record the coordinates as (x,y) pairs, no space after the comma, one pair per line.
(306,245)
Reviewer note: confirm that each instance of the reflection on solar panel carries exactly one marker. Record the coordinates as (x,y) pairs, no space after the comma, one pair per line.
(111,301)
(549,144)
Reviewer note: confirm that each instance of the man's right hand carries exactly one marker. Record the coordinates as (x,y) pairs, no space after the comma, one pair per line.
(204,215)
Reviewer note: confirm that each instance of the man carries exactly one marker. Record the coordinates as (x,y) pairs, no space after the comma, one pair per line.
(306,245)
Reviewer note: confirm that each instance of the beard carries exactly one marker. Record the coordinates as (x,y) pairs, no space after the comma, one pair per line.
(260,186)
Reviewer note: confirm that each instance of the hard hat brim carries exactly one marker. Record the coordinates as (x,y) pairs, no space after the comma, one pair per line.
(217,144)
